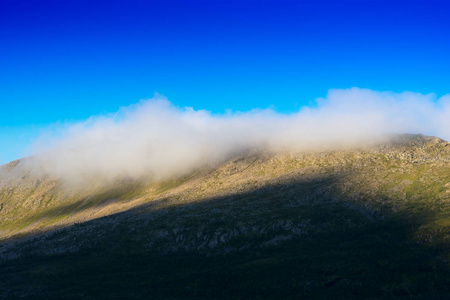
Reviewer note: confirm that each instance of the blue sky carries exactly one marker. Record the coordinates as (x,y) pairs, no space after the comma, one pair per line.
(63,61)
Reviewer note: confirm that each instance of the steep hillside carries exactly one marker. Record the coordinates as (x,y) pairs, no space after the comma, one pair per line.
(372,222)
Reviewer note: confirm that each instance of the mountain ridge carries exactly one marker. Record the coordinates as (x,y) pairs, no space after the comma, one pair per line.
(408,148)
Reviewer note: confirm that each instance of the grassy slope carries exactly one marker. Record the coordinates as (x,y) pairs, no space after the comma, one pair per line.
(370,223)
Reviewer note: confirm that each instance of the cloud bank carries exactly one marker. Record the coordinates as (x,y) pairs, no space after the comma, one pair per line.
(157,140)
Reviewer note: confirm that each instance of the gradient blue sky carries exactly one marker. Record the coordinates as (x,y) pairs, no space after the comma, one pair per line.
(62,61)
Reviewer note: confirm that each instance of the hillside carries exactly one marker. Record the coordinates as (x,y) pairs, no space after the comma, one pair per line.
(371,222)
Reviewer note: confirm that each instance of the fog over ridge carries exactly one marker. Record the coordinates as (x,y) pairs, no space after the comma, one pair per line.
(156,139)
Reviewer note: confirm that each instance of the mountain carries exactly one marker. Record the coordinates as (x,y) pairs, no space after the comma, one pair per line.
(368,222)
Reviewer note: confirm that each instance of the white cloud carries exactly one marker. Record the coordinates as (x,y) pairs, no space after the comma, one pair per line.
(154,138)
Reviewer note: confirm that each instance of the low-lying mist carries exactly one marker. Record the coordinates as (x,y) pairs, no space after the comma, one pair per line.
(154,139)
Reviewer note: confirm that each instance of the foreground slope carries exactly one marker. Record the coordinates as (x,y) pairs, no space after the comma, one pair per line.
(370,222)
